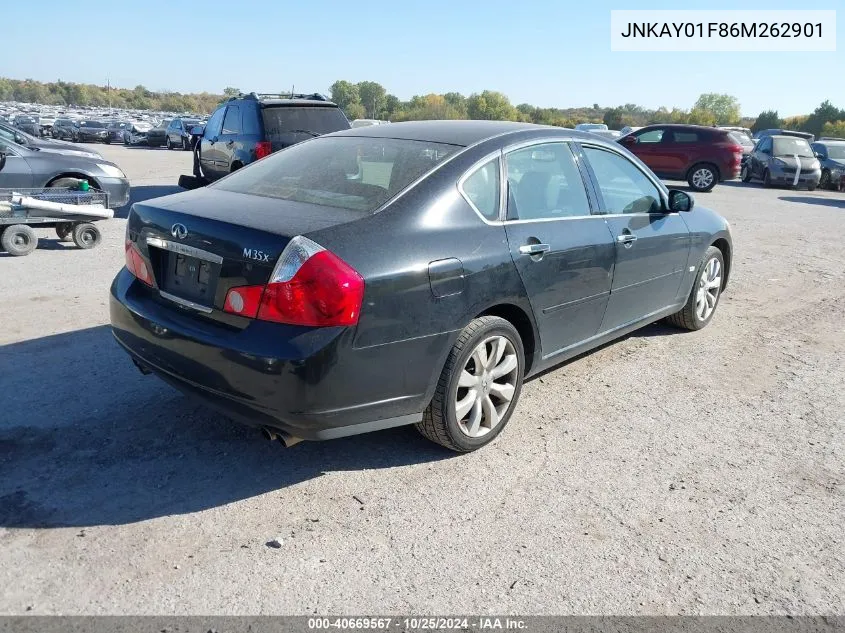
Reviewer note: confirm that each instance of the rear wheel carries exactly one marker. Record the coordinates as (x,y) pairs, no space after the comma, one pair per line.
(63,230)
(745,174)
(767,178)
(478,388)
(86,235)
(168,143)
(702,177)
(186,145)
(67,183)
(18,240)
(705,293)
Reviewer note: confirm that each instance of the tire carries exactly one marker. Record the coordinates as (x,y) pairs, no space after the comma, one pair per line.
(691,316)
(703,177)
(186,145)
(107,141)
(66,183)
(440,422)
(168,144)
(86,235)
(63,230)
(19,240)
(811,187)
(745,174)
(767,178)
(825,182)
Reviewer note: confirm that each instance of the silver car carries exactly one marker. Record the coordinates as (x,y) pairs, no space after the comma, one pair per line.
(32,167)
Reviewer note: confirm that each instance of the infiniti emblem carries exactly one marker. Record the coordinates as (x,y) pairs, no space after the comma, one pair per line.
(179,230)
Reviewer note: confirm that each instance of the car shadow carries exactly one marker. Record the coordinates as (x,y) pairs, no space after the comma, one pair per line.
(838,203)
(143,193)
(658,328)
(86,440)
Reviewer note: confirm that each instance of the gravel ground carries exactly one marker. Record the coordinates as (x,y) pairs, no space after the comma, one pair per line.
(667,473)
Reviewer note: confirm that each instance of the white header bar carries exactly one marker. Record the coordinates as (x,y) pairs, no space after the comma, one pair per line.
(734,31)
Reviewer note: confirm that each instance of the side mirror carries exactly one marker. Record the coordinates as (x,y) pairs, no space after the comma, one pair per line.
(19,139)
(628,140)
(680,201)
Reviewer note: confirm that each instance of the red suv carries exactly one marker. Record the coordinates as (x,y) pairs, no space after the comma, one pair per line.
(700,155)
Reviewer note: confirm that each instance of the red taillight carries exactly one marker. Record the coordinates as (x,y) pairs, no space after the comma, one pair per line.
(136,265)
(309,286)
(262,149)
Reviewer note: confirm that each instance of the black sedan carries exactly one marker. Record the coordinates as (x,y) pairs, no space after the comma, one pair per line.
(92,131)
(412,273)
(157,135)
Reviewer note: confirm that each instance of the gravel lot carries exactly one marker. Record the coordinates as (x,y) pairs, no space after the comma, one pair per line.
(670,472)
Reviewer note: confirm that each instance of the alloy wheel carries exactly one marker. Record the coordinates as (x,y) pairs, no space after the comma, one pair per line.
(702,178)
(709,286)
(486,386)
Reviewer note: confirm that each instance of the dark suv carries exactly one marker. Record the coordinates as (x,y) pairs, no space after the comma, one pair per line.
(248,127)
(700,155)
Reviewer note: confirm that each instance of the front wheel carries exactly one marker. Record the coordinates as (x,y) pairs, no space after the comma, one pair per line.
(825,182)
(168,144)
(704,296)
(767,179)
(745,174)
(478,388)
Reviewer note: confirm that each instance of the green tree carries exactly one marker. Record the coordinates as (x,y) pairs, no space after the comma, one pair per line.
(700,116)
(492,106)
(355,111)
(392,106)
(766,120)
(344,94)
(723,108)
(372,97)
(231,92)
(834,128)
(614,118)
(825,113)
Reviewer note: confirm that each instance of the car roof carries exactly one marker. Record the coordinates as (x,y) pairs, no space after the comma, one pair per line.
(456,132)
(790,136)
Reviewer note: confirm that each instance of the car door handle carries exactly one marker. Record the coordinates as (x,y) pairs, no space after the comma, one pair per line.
(626,238)
(534,249)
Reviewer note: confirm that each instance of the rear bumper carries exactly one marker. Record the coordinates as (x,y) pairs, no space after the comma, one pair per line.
(309,382)
(118,190)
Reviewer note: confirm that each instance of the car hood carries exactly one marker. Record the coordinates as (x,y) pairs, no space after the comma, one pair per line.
(70,152)
(92,130)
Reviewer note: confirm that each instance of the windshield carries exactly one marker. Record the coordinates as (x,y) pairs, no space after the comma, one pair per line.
(289,124)
(91,124)
(355,173)
(118,126)
(791,146)
(837,152)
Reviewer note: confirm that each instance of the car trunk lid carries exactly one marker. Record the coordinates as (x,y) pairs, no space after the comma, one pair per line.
(199,244)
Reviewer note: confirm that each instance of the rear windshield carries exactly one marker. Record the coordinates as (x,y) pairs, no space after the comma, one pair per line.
(790,146)
(289,124)
(355,173)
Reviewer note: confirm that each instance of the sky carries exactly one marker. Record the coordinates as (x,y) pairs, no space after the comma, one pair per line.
(549,53)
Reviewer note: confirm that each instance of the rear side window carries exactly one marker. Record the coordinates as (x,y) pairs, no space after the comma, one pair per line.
(291,124)
(685,137)
(232,122)
(481,188)
(624,188)
(354,173)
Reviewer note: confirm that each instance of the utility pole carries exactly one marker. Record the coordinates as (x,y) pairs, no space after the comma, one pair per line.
(108,92)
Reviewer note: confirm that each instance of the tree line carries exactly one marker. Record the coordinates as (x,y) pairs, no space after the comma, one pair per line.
(369,99)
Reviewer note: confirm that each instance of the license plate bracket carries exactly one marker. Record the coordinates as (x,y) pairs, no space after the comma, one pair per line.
(191,278)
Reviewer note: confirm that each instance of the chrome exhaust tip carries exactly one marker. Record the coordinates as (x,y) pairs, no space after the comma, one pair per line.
(273,435)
